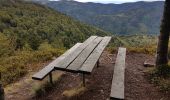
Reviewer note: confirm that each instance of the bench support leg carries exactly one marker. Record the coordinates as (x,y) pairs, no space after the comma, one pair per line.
(84,80)
(50,78)
(97,63)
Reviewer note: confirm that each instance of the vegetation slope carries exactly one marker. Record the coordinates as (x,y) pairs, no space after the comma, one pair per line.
(31,33)
(127,18)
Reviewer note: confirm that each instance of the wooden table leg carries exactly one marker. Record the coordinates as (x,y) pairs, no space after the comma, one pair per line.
(84,80)
(97,63)
(50,78)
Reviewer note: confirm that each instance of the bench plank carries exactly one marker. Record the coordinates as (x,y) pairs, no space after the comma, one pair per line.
(90,63)
(117,89)
(49,68)
(77,63)
(66,61)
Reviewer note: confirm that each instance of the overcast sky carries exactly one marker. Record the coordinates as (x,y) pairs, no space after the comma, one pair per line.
(113,1)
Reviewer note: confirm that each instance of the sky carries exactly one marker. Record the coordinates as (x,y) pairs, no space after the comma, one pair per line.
(113,1)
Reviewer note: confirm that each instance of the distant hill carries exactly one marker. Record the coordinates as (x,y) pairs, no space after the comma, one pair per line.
(127,18)
(32,24)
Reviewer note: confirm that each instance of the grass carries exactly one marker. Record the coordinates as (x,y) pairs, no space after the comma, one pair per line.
(43,87)
(135,43)
(75,91)
(160,77)
(17,65)
(146,50)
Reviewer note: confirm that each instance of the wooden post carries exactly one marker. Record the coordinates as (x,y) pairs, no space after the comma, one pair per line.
(2,97)
(97,63)
(50,78)
(84,80)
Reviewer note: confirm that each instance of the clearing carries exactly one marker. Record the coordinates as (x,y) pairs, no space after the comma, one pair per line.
(98,84)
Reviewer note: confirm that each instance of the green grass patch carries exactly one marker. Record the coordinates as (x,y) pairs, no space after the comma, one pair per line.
(134,43)
(43,87)
(74,91)
(161,77)
(15,66)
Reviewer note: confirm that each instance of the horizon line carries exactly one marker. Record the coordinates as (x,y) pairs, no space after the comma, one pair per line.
(109,2)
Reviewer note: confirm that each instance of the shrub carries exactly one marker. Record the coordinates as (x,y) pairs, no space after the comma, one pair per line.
(162,71)
(45,86)
(14,67)
(75,91)
(160,76)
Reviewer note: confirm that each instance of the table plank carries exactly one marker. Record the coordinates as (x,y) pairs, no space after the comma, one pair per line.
(77,63)
(117,89)
(71,57)
(90,63)
(46,70)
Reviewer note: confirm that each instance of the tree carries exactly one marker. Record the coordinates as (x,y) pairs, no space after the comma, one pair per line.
(162,49)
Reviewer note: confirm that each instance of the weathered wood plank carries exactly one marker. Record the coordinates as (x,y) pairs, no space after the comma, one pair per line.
(90,63)
(49,68)
(117,89)
(66,61)
(77,63)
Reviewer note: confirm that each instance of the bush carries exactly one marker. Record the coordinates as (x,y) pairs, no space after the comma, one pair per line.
(45,86)
(162,71)
(145,50)
(12,70)
(14,67)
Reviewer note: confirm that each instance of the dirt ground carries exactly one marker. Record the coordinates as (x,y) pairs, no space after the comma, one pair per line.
(98,84)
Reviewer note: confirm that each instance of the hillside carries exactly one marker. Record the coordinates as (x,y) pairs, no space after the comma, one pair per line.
(31,34)
(127,18)
(30,23)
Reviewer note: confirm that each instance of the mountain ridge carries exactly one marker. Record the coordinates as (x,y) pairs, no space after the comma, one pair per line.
(134,18)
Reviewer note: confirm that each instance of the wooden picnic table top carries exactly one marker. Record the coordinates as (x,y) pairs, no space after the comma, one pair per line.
(80,58)
(49,68)
(84,58)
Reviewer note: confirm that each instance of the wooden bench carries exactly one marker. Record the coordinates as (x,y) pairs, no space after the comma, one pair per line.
(47,70)
(81,58)
(117,88)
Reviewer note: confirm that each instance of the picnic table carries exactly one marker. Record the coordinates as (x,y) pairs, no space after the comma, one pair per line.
(81,58)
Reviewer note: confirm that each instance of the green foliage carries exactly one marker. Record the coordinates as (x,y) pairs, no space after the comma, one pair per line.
(31,33)
(14,67)
(163,71)
(45,47)
(32,24)
(160,76)
(43,89)
(45,86)
(135,43)
(6,45)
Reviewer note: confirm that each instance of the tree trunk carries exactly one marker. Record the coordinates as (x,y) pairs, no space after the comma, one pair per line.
(162,49)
